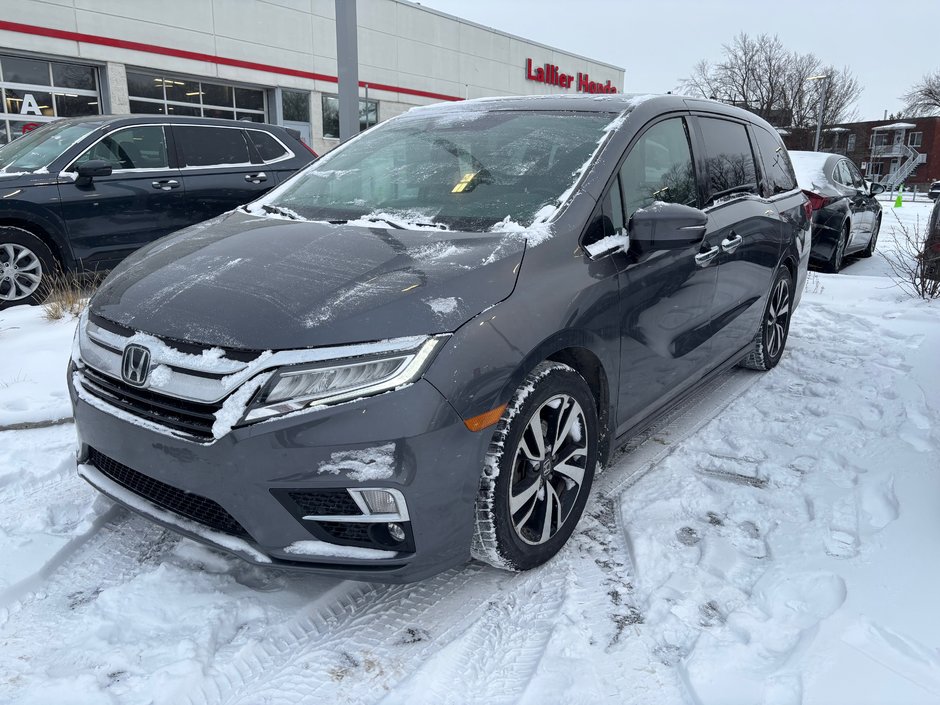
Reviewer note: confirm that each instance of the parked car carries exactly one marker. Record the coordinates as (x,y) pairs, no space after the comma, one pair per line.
(846,214)
(421,347)
(82,194)
(930,256)
(934,191)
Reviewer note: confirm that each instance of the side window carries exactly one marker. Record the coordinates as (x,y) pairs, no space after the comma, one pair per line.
(141,147)
(842,174)
(729,161)
(857,180)
(211,146)
(778,171)
(268,148)
(659,168)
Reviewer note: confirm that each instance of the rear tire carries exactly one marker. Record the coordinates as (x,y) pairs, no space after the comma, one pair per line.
(870,250)
(837,259)
(771,338)
(26,265)
(538,471)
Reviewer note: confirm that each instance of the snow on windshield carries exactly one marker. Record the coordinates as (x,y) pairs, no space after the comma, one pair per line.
(809,168)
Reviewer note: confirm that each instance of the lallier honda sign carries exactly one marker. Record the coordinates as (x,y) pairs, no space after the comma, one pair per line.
(553,76)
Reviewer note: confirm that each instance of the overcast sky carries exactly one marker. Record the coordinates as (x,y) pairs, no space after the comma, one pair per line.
(888,46)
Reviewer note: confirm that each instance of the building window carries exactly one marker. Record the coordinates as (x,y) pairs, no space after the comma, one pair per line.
(916,139)
(152,94)
(875,169)
(33,92)
(879,139)
(368,115)
(296,106)
(850,143)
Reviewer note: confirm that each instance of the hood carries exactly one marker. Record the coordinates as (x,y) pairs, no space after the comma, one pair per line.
(19,179)
(240,281)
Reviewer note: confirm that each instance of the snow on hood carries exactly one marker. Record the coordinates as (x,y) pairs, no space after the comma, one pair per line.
(271,284)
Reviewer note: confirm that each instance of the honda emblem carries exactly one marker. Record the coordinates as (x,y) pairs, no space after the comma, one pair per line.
(135,365)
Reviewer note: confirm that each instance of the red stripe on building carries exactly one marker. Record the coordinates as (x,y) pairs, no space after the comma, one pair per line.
(197,56)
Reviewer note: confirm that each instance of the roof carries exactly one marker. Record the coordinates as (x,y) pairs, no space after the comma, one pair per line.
(895,126)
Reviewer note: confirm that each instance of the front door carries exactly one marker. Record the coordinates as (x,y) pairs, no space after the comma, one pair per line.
(140,201)
(666,295)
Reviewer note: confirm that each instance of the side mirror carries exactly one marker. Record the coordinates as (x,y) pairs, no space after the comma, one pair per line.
(876,189)
(667,226)
(92,168)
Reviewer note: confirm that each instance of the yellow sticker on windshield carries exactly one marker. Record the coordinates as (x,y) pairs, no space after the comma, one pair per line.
(464,182)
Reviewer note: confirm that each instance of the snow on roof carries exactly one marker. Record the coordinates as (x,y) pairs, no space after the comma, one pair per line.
(896,126)
(838,129)
(809,168)
(783,131)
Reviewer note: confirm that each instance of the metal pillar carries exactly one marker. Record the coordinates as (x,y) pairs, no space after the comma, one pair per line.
(347,68)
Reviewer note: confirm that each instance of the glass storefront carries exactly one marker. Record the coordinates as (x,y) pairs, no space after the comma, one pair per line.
(368,115)
(157,94)
(34,91)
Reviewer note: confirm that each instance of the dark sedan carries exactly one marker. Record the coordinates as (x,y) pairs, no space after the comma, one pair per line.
(82,194)
(846,214)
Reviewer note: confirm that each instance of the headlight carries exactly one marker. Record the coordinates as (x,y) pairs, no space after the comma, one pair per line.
(296,388)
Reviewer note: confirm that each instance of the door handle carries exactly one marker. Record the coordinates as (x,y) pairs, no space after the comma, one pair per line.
(703,259)
(165,184)
(256,178)
(729,245)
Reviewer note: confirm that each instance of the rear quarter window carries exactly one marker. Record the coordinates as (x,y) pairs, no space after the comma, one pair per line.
(269,149)
(778,170)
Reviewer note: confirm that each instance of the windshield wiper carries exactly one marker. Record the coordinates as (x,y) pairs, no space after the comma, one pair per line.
(277,210)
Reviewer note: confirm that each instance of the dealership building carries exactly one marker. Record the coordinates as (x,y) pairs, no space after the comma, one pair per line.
(261,60)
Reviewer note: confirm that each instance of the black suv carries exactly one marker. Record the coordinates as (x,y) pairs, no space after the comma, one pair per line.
(82,194)
(423,345)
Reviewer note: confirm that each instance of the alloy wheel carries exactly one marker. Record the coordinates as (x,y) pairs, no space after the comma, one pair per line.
(548,469)
(20,272)
(778,313)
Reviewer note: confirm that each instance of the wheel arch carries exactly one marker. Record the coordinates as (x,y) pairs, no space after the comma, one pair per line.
(59,249)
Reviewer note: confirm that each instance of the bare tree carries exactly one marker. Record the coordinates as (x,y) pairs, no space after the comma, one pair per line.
(761,75)
(924,97)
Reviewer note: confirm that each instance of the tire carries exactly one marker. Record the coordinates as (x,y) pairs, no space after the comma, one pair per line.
(873,240)
(548,501)
(771,337)
(26,263)
(837,259)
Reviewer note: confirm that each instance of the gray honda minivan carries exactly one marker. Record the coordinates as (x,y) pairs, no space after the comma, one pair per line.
(422,347)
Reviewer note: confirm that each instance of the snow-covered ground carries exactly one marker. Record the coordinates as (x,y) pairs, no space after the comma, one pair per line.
(773,542)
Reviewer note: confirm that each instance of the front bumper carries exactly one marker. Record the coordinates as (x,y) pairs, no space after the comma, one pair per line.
(433,461)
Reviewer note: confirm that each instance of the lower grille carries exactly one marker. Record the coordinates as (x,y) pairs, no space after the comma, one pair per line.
(325,502)
(191,506)
(354,533)
(189,417)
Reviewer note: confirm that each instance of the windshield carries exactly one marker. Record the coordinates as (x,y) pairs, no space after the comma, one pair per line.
(39,148)
(461,170)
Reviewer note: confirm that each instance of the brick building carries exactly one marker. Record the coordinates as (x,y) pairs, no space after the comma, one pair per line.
(888,151)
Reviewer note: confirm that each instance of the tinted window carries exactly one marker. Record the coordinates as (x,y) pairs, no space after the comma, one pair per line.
(268,148)
(778,171)
(841,174)
(209,146)
(659,168)
(857,180)
(728,159)
(132,148)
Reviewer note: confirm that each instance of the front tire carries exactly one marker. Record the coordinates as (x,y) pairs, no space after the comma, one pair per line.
(771,338)
(26,264)
(538,470)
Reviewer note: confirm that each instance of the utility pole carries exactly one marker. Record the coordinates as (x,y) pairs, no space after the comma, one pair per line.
(347,68)
(822,105)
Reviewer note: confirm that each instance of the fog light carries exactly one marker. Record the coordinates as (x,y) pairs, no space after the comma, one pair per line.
(380,501)
(396,532)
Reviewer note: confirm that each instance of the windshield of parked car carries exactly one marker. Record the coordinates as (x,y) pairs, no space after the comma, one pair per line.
(463,170)
(37,149)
